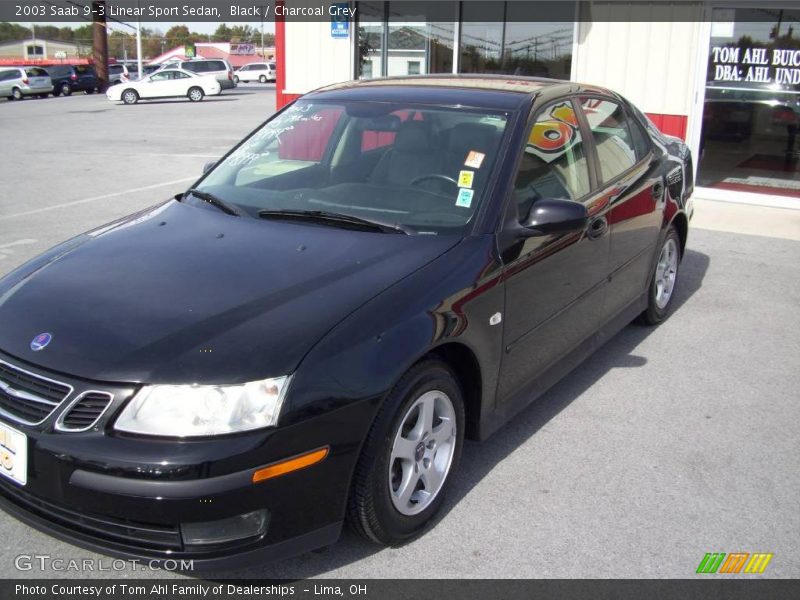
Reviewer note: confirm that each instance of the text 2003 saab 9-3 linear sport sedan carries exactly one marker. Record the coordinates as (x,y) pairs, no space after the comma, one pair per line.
(308,333)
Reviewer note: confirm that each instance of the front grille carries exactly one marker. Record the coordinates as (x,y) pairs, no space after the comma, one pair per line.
(85,411)
(130,533)
(27,397)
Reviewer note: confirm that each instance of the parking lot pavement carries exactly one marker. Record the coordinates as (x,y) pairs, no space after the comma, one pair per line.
(667,443)
(72,163)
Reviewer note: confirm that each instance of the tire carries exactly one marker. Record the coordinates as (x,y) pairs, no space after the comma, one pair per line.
(65,89)
(16,94)
(195,94)
(397,458)
(661,291)
(236,79)
(262,79)
(130,96)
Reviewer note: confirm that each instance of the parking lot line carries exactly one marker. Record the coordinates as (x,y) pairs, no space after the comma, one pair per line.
(94,198)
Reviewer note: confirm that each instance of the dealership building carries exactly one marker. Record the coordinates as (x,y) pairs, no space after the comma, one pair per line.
(725,77)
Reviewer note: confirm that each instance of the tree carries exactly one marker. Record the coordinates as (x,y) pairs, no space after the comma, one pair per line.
(13,31)
(242,33)
(179,35)
(222,33)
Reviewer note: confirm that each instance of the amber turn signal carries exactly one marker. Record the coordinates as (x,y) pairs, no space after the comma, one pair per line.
(292,464)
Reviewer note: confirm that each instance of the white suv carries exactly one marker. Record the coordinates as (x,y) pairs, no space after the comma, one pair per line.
(262,72)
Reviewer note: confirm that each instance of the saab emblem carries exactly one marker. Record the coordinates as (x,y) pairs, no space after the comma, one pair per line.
(40,341)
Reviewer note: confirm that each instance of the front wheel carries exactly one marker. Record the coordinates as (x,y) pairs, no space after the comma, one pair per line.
(195,94)
(130,97)
(662,283)
(236,79)
(409,457)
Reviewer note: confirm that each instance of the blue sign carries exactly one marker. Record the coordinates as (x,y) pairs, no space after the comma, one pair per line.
(340,24)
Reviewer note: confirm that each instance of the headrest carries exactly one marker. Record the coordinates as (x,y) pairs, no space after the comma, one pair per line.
(413,136)
(470,136)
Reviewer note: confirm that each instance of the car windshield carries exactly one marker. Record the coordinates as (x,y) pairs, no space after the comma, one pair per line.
(422,168)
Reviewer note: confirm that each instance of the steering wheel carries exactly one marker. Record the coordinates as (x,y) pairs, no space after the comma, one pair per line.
(422,178)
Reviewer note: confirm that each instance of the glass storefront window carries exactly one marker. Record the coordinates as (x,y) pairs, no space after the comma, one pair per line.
(393,41)
(405,44)
(513,46)
(752,102)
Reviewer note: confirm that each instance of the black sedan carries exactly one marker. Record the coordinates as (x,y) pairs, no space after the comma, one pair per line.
(308,334)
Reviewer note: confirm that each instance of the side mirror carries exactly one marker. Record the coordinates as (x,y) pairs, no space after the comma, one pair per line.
(208,166)
(553,215)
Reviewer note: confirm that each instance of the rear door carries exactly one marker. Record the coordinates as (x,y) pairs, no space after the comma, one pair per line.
(628,174)
(555,284)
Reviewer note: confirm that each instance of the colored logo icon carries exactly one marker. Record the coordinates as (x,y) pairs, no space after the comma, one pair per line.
(40,341)
(715,562)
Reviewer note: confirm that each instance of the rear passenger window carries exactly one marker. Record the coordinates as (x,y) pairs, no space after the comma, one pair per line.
(554,162)
(641,142)
(610,127)
(216,65)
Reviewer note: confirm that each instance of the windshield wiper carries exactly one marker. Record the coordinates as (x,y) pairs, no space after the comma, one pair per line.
(321,216)
(214,201)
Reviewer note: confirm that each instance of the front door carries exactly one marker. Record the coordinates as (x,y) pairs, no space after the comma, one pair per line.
(555,284)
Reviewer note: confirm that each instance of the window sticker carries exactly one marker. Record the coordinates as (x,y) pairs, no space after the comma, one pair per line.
(465,179)
(474,159)
(464,198)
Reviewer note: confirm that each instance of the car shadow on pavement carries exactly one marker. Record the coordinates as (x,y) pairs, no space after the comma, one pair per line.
(178,101)
(479,458)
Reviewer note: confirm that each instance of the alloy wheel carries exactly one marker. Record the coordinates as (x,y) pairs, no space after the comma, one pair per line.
(666,273)
(422,452)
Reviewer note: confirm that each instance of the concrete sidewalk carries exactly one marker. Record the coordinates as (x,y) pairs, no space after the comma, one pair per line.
(748,219)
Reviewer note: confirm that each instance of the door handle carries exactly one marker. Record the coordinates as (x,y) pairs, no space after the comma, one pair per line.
(597,227)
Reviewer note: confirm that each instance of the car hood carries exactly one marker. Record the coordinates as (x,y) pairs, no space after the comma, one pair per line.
(188,294)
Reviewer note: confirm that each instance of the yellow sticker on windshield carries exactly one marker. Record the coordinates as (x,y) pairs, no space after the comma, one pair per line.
(474,159)
(464,198)
(465,179)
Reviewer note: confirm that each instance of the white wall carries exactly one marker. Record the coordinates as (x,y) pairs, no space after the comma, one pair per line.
(650,60)
(314,58)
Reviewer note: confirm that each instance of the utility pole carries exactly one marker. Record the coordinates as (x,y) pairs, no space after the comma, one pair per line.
(139,48)
(100,44)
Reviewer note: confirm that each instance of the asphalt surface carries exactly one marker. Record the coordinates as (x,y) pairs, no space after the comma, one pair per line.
(667,443)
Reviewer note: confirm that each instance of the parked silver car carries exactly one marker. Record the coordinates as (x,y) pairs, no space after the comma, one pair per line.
(18,82)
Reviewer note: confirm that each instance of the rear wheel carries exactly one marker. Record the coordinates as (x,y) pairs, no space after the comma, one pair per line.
(16,94)
(65,89)
(130,96)
(664,279)
(263,79)
(411,451)
(195,94)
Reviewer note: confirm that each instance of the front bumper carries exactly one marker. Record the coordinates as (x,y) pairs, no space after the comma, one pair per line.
(130,496)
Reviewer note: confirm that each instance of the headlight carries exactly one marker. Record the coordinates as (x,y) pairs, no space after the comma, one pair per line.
(203,410)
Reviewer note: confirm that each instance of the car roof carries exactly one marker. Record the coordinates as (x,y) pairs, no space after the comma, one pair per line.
(491,91)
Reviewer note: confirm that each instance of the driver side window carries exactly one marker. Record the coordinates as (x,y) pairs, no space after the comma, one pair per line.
(554,162)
